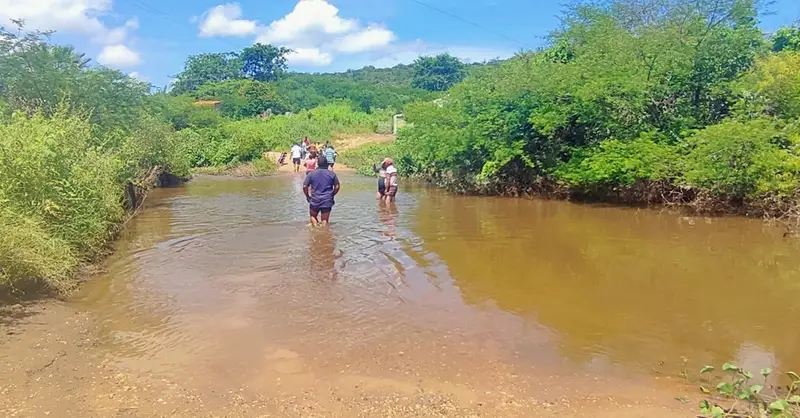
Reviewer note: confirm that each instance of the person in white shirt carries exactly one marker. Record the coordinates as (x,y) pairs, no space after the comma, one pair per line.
(296,154)
(391,180)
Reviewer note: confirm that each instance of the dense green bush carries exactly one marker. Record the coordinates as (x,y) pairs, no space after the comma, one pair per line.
(363,158)
(741,159)
(29,253)
(772,88)
(620,163)
(689,97)
(50,171)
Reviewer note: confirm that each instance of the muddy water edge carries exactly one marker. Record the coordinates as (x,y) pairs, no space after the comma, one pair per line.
(220,301)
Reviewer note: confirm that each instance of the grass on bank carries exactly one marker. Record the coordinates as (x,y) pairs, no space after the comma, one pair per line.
(256,168)
(362,158)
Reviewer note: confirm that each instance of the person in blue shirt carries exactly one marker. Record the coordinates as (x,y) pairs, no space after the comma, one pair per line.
(330,155)
(320,187)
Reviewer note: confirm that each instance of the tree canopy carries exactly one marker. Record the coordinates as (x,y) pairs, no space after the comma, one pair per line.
(264,62)
(438,73)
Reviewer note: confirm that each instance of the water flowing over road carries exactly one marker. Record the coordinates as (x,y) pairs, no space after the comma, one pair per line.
(438,305)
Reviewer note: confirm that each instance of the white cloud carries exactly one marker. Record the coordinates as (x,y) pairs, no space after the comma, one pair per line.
(119,34)
(137,75)
(80,17)
(369,39)
(318,35)
(68,16)
(119,56)
(309,56)
(224,20)
(74,16)
(311,22)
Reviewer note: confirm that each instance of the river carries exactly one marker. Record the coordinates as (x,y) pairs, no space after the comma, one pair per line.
(221,283)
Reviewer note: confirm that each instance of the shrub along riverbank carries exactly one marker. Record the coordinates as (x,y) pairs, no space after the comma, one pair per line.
(688,103)
(80,145)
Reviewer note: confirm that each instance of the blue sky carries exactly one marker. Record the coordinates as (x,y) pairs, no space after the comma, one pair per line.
(152,38)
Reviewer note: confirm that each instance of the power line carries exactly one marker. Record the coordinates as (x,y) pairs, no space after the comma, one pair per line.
(469,22)
(146,7)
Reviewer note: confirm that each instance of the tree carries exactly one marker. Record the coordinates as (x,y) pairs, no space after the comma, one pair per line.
(242,98)
(264,62)
(438,73)
(207,68)
(260,98)
(786,38)
(39,77)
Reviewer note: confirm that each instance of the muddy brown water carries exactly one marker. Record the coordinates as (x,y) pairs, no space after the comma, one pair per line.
(222,283)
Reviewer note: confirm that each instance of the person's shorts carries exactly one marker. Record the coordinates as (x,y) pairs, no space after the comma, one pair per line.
(382,185)
(318,209)
(330,165)
(391,191)
(296,160)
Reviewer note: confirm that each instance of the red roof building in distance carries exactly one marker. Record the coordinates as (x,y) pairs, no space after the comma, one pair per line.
(216,103)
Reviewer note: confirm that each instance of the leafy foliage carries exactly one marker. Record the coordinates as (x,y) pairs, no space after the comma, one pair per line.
(437,73)
(682,95)
(740,159)
(207,68)
(264,62)
(786,39)
(745,398)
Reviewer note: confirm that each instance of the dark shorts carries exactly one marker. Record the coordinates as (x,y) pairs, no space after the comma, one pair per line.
(330,165)
(317,209)
(391,191)
(382,185)
(296,161)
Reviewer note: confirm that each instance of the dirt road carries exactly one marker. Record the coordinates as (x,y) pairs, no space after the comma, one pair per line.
(55,365)
(341,143)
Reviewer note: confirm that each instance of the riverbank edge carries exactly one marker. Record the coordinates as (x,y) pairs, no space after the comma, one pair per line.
(519,182)
(243,169)
(134,195)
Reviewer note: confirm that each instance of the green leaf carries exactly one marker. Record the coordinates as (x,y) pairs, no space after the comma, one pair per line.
(717,412)
(725,388)
(729,366)
(794,376)
(779,405)
(743,394)
(766,371)
(756,389)
(705,407)
(747,375)
(706,369)
(704,390)
(795,399)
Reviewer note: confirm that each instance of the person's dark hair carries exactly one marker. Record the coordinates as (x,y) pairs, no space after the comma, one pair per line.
(322,162)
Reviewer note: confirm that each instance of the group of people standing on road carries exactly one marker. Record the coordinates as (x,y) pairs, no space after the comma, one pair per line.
(307,154)
(321,184)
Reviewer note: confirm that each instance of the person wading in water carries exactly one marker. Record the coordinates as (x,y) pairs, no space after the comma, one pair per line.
(311,163)
(320,187)
(381,171)
(391,180)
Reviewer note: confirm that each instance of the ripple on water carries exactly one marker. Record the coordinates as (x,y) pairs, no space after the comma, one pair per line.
(223,265)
